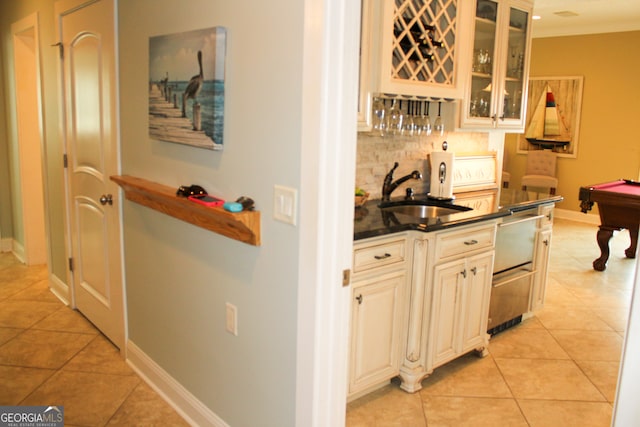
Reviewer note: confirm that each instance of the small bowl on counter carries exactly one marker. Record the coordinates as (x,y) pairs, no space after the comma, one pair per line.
(361,200)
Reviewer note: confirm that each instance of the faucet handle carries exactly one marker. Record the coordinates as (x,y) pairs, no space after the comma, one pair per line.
(409,193)
(389,176)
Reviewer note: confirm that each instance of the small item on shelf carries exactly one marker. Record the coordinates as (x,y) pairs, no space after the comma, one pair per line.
(191,190)
(232,207)
(247,203)
(206,200)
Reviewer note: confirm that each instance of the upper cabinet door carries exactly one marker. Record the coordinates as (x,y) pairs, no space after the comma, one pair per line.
(498,81)
(422,48)
(367,36)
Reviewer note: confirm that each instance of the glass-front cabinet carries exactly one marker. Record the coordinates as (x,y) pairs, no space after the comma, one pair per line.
(497,88)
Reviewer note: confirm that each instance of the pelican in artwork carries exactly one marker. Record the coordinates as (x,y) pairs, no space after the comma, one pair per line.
(194,86)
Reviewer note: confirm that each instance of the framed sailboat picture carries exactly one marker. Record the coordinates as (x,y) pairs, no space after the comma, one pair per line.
(553,115)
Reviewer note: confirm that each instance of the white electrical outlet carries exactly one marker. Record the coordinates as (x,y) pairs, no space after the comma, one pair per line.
(285,201)
(232,319)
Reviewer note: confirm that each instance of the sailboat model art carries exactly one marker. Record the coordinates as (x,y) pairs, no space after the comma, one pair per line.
(546,127)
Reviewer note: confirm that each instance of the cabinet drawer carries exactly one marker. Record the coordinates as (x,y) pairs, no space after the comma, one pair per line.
(460,242)
(379,254)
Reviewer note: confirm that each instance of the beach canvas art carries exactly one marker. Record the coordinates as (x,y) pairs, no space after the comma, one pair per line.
(186,87)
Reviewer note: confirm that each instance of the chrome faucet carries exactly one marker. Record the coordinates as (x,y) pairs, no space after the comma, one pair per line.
(389,185)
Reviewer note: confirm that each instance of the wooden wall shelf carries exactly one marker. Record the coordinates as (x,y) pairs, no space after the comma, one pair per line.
(243,226)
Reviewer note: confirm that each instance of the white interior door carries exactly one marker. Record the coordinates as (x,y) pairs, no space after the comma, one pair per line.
(90,90)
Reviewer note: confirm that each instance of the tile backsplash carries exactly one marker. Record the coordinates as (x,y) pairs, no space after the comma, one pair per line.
(376,155)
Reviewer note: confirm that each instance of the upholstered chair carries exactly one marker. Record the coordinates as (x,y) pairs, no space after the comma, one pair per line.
(541,170)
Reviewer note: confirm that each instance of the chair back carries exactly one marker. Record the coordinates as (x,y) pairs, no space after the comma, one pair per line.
(541,162)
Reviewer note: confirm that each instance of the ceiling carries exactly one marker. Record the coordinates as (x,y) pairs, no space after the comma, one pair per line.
(593,16)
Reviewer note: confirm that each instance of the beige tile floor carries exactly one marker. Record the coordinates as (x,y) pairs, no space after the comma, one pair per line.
(558,368)
(51,355)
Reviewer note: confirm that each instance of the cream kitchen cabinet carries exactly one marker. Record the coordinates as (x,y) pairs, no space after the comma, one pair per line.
(460,308)
(461,277)
(449,298)
(413,49)
(378,320)
(497,84)
(423,45)
(541,256)
(368,73)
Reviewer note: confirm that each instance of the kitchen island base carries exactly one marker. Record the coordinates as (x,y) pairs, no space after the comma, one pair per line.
(411,381)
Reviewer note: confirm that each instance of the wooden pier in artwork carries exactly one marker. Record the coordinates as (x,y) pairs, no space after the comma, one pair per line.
(167,124)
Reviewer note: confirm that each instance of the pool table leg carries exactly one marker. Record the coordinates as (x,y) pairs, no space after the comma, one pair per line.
(603,237)
(630,252)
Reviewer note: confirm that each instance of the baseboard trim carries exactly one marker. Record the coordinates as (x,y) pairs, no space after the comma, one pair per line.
(60,289)
(6,244)
(18,250)
(186,404)
(589,218)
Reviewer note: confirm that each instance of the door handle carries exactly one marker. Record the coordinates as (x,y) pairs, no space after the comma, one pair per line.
(106,199)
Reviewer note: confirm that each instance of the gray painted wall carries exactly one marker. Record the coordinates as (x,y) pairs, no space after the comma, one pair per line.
(178,276)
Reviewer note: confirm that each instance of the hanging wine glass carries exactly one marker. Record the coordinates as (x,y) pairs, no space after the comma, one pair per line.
(407,121)
(426,121)
(439,124)
(417,118)
(394,124)
(379,119)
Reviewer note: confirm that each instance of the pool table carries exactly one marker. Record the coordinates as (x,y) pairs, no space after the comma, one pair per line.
(619,207)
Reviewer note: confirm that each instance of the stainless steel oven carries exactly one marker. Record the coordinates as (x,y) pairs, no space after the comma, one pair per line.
(513,270)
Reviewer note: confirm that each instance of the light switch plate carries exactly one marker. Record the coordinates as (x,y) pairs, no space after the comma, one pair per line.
(285,202)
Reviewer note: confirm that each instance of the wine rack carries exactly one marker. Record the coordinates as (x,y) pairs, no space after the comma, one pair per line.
(424,41)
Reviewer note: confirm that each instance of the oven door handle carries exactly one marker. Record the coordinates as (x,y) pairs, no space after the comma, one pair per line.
(513,278)
(518,221)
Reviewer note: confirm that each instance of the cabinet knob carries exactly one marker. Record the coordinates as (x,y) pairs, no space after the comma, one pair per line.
(359,299)
(546,242)
(464,273)
(474,270)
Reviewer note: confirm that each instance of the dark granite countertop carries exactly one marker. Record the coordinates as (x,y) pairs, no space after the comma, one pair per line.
(371,221)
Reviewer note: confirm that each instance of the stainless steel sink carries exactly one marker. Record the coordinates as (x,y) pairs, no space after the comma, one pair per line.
(424,211)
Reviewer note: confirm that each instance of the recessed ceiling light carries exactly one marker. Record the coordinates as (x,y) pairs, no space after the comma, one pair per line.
(565,14)
(536,17)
